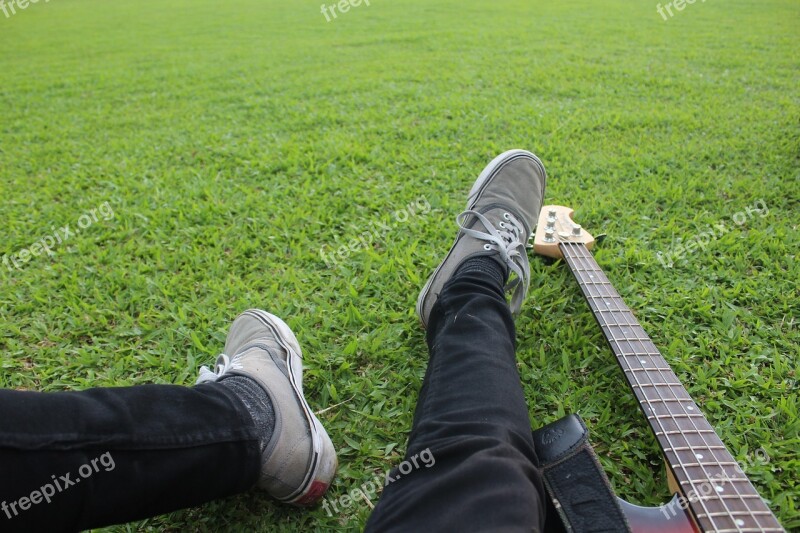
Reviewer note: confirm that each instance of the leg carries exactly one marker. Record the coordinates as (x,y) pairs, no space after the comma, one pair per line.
(157,448)
(471,414)
(106,456)
(472,417)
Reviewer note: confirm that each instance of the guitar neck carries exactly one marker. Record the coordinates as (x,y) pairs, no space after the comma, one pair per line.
(717,492)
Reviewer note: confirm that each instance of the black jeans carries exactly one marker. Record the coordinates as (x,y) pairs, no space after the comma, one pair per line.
(473,418)
(76,460)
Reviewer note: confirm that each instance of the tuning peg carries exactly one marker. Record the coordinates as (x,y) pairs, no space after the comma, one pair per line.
(576,230)
(549,235)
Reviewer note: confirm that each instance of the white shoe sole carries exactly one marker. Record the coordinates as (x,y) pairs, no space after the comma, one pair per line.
(324,461)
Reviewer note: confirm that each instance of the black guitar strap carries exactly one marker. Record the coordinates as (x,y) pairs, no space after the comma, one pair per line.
(577,486)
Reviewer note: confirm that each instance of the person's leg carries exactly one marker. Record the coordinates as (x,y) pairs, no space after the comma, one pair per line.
(77,460)
(149,450)
(471,416)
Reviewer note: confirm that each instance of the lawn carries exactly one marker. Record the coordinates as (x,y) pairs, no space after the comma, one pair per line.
(214,156)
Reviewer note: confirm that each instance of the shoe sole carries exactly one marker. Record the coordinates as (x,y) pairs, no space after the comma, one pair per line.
(324,462)
(484,179)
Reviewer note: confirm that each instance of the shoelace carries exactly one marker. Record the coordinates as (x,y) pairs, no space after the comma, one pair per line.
(221,367)
(510,241)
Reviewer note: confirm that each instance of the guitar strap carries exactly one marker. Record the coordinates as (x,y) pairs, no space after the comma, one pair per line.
(578,488)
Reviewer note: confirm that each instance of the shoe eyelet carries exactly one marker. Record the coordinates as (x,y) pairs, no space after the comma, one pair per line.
(487,247)
(506,216)
(503,225)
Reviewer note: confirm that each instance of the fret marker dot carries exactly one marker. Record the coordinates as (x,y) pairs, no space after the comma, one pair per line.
(690,408)
(642,361)
(699,455)
(719,488)
(739,522)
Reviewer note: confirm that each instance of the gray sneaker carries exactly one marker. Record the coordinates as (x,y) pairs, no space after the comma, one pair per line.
(299,462)
(502,208)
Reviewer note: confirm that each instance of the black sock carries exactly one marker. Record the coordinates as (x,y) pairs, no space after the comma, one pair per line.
(486,265)
(258,404)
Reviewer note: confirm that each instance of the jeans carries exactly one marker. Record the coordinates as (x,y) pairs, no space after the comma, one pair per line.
(472,416)
(77,460)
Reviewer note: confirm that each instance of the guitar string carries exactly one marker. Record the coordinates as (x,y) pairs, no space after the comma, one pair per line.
(588,284)
(744,502)
(582,260)
(754,514)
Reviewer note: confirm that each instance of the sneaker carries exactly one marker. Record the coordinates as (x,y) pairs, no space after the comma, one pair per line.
(502,208)
(299,462)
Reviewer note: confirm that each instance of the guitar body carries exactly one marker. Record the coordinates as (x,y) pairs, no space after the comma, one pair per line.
(669,518)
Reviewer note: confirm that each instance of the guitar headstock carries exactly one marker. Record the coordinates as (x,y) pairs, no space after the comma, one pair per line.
(556,225)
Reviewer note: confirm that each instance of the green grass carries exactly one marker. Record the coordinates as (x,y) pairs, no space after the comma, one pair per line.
(236,140)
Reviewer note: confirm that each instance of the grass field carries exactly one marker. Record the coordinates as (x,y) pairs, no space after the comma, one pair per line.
(240,144)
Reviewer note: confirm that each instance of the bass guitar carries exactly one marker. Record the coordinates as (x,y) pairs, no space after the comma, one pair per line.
(711,492)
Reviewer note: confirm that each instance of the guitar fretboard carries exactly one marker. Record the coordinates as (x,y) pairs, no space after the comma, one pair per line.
(720,497)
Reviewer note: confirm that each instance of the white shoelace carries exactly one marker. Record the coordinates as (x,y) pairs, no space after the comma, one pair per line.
(510,241)
(221,367)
